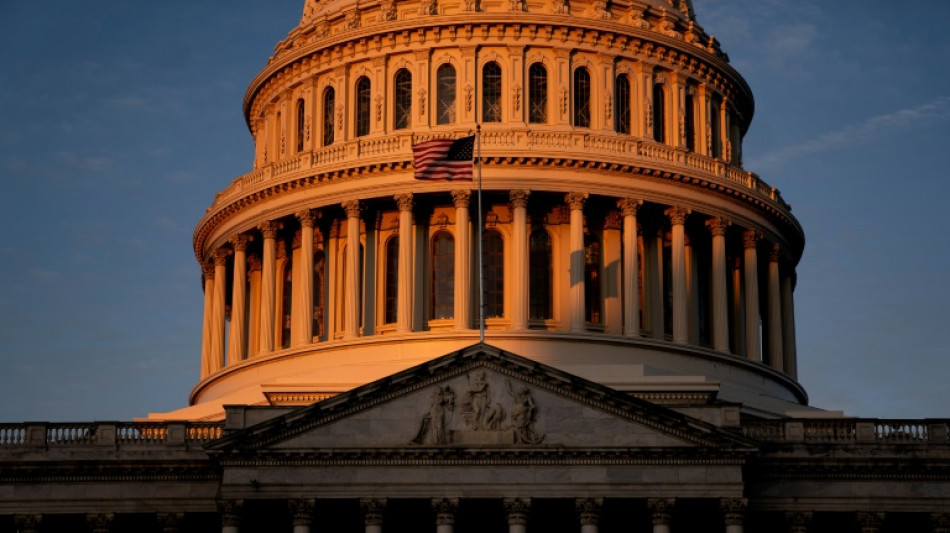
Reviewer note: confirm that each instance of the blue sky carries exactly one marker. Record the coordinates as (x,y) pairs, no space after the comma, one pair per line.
(120,119)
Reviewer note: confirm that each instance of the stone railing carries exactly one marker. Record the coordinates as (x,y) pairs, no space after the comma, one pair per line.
(844,430)
(109,433)
(607,147)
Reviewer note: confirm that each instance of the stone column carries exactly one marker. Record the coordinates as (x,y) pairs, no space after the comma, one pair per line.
(692,290)
(750,241)
(576,201)
(737,322)
(720,303)
(302,513)
(788,324)
(404,294)
(588,511)
(208,278)
(657,294)
(776,357)
(733,512)
(28,523)
(217,310)
(445,509)
(870,522)
(254,305)
(661,510)
(631,276)
(799,522)
(519,259)
(463,260)
(237,347)
(940,522)
(231,511)
(268,286)
(351,292)
(677,216)
(303,317)
(373,511)
(170,522)
(516,509)
(100,522)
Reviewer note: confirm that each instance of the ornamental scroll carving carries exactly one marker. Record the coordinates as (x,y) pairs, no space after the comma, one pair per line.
(490,411)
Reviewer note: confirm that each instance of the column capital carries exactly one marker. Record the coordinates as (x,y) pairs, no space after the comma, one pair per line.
(733,510)
(750,239)
(306,217)
(519,197)
(220,256)
(269,228)
(940,522)
(461,198)
(798,522)
(629,206)
(516,510)
(301,511)
(100,522)
(352,208)
(677,215)
(231,511)
(253,263)
(870,522)
(239,242)
(170,522)
(445,509)
(207,271)
(404,201)
(28,523)
(776,253)
(662,510)
(718,226)
(576,200)
(588,510)
(373,510)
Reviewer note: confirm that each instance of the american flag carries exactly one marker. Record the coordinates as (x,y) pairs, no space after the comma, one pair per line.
(444,159)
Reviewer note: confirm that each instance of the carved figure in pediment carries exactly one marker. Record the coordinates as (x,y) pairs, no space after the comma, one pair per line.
(435,424)
(522,415)
(484,415)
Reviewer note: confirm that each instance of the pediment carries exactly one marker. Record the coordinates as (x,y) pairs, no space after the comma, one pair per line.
(480,397)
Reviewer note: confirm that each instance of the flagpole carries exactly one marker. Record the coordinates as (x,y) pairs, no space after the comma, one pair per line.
(481,277)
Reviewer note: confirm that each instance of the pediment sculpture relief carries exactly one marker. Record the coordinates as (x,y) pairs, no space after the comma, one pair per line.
(489,411)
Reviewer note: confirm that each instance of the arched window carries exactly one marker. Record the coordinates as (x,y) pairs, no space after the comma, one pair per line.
(285,299)
(362,106)
(622,88)
(540,284)
(301,123)
(391,290)
(319,279)
(690,122)
(329,103)
(592,303)
(659,106)
(493,263)
(715,125)
(581,98)
(445,94)
(443,275)
(402,101)
(537,94)
(491,92)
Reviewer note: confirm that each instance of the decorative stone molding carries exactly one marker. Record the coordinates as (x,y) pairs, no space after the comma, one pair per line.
(306,217)
(661,510)
(301,511)
(231,512)
(798,522)
(403,201)
(28,523)
(677,215)
(239,242)
(561,7)
(461,198)
(516,509)
(427,7)
(870,522)
(776,253)
(940,522)
(576,200)
(207,271)
(733,510)
(629,206)
(718,226)
(373,509)
(100,522)
(588,510)
(445,509)
(750,239)
(253,263)
(269,228)
(352,208)
(519,198)
(613,220)
(220,256)
(170,522)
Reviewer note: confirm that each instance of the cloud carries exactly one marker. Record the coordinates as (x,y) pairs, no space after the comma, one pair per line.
(927,113)
(89,163)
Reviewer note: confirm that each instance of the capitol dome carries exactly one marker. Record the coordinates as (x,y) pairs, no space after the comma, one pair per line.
(622,239)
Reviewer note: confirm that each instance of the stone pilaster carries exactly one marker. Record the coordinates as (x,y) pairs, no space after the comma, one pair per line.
(218,316)
(28,523)
(100,522)
(588,511)
(374,510)
(631,275)
(661,511)
(519,259)
(753,343)
(268,286)
(776,344)
(788,324)
(576,201)
(516,510)
(302,513)
(733,513)
(303,318)
(798,522)
(677,216)
(404,291)
(445,509)
(237,347)
(254,268)
(170,522)
(351,291)
(231,512)
(720,302)
(463,261)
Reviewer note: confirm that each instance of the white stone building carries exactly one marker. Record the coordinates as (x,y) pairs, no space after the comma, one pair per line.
(637,369)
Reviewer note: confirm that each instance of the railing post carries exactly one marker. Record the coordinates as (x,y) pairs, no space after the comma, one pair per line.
(794,432)
(175,434)
(105,434)
(865,431)
(35,434)
(937,432)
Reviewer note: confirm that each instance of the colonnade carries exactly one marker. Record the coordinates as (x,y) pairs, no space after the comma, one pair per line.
(667,273)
